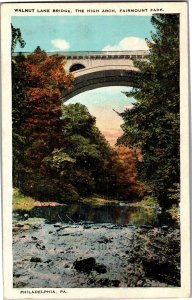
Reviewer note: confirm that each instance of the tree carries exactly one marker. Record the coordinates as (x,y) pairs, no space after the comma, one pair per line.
(19,113)
(123,176)
(19,98)
(43,79)
(152,125)
(89,148)
(16,38)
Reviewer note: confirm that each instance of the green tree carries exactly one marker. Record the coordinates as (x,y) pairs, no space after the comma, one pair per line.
(16,38)
(152,125)
(19,114)
(89,148)
(19,99)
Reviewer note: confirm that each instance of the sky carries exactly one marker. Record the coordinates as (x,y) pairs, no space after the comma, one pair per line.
(83,33)
(90,33)
(101,103)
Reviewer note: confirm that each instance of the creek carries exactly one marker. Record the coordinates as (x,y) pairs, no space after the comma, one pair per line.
(115,213)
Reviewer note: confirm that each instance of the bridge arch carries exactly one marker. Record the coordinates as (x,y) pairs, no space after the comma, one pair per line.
(101,78)
(92,70)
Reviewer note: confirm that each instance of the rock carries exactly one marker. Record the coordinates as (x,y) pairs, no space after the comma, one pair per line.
(19,284)
(39,246)
(105,282)
(87,226)
(65,234)
(34,238)
(85,265)
(140,283)
(101,269)
(36,227)
(165,227)
(146,227)
(104,240)
(115,283)
(35,259)
(146,285)
(20,225)
(48,261)
(131,226)
(50,232)
(116,227)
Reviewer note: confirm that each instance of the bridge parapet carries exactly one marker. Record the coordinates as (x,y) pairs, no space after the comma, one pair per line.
(103,54)
(96,54)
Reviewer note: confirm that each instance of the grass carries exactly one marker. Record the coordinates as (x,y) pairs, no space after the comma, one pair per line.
(98,201)
(27,203)
(23,202)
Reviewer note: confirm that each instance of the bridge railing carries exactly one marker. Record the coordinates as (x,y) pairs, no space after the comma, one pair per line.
(95,54)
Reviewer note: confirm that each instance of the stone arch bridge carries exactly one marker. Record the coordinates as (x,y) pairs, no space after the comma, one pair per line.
(100,69)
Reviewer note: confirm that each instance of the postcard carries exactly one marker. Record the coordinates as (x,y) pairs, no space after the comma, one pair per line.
(95,150)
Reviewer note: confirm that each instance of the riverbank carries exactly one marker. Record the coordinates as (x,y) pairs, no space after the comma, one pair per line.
(93,255)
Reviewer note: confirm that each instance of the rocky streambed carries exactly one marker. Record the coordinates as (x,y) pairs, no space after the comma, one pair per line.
(63,255)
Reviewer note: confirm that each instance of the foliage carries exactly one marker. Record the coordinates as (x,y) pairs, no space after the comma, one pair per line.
(174,193)
(175,213)
(16,38)
(19,114)
(85,144)
(153,123)
(123,175)
(37,125)
(149,201)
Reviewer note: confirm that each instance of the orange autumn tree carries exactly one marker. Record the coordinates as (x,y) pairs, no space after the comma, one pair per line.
(45,79)
(124,174)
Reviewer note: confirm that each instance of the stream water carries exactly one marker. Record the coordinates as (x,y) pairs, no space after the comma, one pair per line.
(106,213)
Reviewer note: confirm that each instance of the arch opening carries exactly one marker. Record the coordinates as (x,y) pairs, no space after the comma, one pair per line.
(76,67)
(105,103)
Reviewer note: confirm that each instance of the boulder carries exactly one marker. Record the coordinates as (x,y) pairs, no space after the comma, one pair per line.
(89,264)
(35,259)
(101,269)
(85,265)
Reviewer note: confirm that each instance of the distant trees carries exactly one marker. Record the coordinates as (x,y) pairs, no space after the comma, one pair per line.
(123,174)
(153,123)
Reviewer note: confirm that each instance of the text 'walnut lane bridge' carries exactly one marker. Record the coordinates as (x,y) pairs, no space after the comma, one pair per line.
(100,69)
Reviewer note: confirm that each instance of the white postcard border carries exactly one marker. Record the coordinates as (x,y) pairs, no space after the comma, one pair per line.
(7,11)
